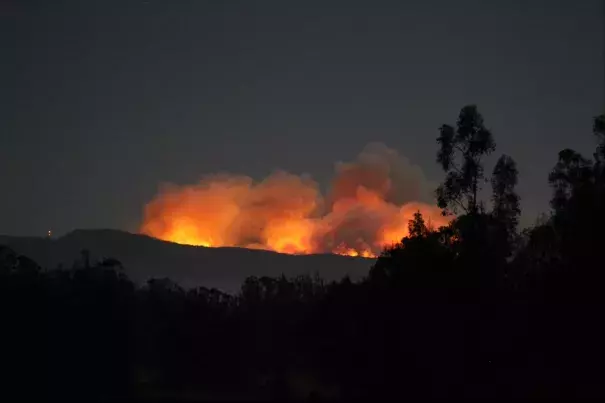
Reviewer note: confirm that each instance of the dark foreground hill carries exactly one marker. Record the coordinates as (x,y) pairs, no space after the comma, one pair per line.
(144,257)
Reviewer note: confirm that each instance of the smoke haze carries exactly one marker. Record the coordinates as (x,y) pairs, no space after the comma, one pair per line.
(367,207)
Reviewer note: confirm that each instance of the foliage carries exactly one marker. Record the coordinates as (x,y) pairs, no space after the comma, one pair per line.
(460,155)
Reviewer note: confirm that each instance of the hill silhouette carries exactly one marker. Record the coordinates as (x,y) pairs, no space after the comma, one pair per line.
(144,257)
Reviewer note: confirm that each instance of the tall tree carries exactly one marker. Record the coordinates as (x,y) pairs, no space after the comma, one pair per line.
(599,131)
(460,155)
(571,172)
(417,227)
(579,217)
(505,200)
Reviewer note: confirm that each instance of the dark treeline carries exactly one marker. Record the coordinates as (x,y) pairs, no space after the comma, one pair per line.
(474,310)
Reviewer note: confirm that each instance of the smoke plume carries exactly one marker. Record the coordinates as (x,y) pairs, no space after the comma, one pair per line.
(367,207)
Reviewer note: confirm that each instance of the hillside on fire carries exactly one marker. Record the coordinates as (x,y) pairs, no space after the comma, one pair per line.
(456,302)
(366,208)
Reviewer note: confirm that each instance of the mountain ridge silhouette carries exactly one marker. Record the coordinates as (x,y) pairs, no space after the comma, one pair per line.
(144,257)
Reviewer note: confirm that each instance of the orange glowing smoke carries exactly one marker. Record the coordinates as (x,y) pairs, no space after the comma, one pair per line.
(368,207)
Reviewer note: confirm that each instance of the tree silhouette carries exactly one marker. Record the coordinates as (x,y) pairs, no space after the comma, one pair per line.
(571,173)
(506,201)
(506,209)
(460,155)
(598,129)
(481,240)
(416,227)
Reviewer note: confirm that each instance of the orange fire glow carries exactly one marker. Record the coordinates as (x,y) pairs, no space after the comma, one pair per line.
(367,208)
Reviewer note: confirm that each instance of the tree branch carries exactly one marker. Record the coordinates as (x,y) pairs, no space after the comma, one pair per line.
(453,165)
(456,168)
(457,147)
(461,205)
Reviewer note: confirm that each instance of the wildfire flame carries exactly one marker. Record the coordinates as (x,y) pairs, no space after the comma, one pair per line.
(367,208)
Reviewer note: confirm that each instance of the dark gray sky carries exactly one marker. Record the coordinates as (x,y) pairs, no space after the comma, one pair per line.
(102,101)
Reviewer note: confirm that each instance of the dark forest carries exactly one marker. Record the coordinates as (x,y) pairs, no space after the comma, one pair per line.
(480,309)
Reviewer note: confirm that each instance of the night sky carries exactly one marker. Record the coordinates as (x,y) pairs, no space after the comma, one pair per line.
(102,101)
